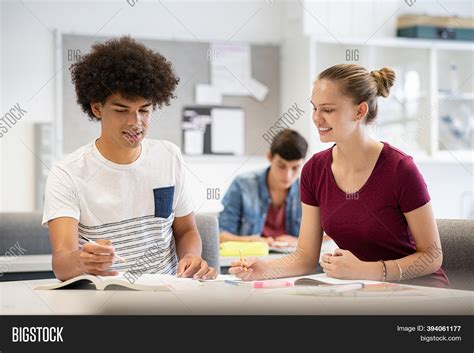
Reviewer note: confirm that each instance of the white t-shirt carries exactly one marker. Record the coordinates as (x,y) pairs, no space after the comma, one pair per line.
(133,205)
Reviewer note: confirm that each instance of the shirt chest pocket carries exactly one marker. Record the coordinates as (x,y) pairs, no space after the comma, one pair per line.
(163,200)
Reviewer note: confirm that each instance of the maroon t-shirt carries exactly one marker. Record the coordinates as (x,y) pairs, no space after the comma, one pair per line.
(370,222)
(275,222)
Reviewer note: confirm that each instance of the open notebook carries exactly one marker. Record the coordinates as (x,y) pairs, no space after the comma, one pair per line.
(321,284)
(323,279)
(146,282)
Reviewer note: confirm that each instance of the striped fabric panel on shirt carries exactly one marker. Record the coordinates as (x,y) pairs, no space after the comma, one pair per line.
(147,243)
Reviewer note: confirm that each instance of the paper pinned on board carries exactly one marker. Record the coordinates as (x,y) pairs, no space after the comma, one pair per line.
(227,135)
(207,94)
(193,142)
(231,74)
(230,68)
(258,90)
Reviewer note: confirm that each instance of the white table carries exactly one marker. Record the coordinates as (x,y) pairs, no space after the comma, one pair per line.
(42,263)
(20,298)
(26,263)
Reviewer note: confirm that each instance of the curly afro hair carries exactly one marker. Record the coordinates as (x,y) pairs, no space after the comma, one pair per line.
(123,66)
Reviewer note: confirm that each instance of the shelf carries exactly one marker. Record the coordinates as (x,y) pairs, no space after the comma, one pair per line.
(441,157)
(456,97)
(397,121)
(399,42)
(405,99)
(420,118)
(454,156)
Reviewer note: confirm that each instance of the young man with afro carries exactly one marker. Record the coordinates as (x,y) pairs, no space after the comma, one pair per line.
(121,203)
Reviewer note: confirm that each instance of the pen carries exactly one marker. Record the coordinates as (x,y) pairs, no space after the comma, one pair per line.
(118,257)
(242,261)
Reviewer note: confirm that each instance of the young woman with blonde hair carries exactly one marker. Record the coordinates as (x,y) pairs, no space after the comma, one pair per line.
(365,194)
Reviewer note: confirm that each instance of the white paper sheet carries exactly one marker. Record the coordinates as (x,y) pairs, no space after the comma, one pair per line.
(231,71)
(230,68)
(258,90)
(193,142)
(227,132)
(207,94)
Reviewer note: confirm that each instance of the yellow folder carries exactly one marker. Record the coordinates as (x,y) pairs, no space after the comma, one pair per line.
(253,248)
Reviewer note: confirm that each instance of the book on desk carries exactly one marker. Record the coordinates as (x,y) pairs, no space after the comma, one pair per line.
(318,284)
(144,282)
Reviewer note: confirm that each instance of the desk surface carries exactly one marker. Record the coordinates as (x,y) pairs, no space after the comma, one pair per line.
(20,298)
(41,263)
(26,263)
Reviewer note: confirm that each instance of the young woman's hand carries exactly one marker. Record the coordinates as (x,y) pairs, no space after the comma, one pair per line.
(343,265)
(250,269)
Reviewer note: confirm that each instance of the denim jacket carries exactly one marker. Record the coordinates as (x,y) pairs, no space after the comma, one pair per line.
(246,205)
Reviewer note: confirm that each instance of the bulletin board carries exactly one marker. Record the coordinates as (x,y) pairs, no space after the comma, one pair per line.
(191,64)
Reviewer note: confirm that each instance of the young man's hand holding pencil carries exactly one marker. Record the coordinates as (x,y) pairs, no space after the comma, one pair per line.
(98,256)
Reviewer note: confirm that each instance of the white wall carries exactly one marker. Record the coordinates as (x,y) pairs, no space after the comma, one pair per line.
(27,73)
(336,20)
(451,186)
(28,51)
(364,19)
(1,108)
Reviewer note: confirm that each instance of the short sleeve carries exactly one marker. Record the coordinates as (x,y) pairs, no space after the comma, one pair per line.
(411,187)
(61,197)
(307,191)
(184,203)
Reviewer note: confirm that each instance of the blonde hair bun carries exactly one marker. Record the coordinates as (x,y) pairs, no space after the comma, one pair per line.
(384,79)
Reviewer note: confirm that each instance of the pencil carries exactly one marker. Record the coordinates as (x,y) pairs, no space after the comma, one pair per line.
(242,261)
(118,257)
